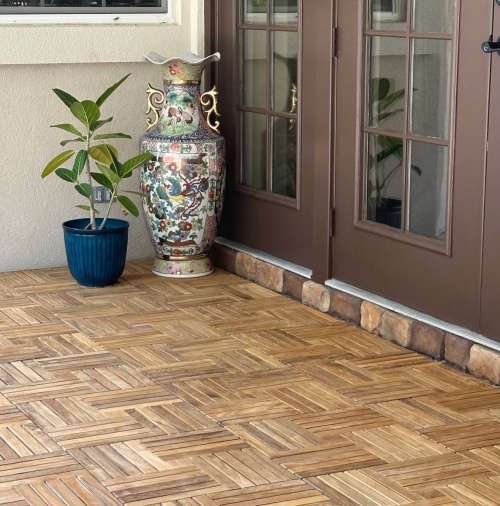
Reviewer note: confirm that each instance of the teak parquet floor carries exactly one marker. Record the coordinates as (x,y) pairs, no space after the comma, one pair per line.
(218,392)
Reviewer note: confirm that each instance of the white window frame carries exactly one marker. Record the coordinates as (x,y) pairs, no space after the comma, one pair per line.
(115,18)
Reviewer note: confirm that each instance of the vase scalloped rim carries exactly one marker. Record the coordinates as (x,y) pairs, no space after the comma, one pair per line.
(190,58)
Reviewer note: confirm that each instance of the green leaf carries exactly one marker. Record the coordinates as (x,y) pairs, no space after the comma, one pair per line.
(101,153)
(116,166)
(87,112)
(390,99)
(66,174)
(56,162)
(65,97)
(128,205)
(386,141)
(112,136)
(110,90)
(379,89)
(84,189)
(109,173)
(416,169)
(102,180)
(69,128)
(87,208)
(397,151)
(98,124)
(68,141)
(384,115)
(134,162)
(79,164)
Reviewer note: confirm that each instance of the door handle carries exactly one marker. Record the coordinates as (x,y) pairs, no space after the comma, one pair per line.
(489,46)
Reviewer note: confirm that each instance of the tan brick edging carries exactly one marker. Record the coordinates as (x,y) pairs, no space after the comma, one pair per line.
(409,333)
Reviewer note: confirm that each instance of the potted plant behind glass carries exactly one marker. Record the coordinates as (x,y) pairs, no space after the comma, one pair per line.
(96,247)
(381,207)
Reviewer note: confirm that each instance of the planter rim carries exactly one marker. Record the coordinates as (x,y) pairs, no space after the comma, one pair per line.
(78,226)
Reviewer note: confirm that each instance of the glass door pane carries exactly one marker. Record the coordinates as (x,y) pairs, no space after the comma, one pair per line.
(269,96)
(254,68)
(409,83)
(433,16)
(254,12)
(430,90)
(285,12)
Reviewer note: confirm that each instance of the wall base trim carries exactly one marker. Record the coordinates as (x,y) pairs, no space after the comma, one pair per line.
(414,314)
(440,340)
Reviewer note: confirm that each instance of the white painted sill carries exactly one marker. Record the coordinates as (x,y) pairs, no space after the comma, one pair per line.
(85,19)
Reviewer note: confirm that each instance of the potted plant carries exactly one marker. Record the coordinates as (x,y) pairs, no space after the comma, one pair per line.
(381,208)
(96,247)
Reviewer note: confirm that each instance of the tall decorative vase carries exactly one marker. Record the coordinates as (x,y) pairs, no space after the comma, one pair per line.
(183,184)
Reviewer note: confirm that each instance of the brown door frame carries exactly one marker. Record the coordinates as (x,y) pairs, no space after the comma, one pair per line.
(490,288)
(317,131)
(429,281)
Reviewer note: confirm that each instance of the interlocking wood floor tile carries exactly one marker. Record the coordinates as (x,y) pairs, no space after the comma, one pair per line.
(193,443)
(129,398)
(118,460)
(417,413)
(383,391)
(328,425)
(338,374)
(215,391)
(275,436)
(46,465)
(365,488)
(293,492)
(210,392)
(67,490)
(155,488)
(466,435)
(395,443)
(337,455)
(473,399)
(311,397)
(250,409)
(270,340)
(46,390)
(433,472)
(98,432)
(481,492)
(184,371)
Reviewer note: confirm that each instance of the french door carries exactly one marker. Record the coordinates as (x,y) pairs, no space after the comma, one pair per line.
(415,187)
(276,64)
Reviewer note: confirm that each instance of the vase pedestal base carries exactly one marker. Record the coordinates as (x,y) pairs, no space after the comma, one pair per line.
(183,268)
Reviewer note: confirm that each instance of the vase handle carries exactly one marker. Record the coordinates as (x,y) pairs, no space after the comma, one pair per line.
(209,98)
(156,101)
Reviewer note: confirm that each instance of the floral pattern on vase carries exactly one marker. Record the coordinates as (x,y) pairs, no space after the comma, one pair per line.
(183,184)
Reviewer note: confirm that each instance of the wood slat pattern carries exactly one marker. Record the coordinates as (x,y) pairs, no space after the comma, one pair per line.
(218,392)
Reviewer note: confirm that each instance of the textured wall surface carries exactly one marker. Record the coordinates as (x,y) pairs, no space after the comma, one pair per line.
(33,209)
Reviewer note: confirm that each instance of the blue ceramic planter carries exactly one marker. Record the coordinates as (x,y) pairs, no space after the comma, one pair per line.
(96,257)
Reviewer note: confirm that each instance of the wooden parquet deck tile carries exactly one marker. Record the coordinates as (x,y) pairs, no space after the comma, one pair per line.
(215,391)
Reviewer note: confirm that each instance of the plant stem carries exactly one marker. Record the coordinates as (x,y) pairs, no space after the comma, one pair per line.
(106,216)
(93,225)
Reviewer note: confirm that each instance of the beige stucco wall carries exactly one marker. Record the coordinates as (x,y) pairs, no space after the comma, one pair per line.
(83,60)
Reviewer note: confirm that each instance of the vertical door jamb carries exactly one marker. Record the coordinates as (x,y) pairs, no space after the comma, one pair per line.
(318,125)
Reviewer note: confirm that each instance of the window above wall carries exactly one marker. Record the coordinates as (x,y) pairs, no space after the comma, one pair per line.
(30,7)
